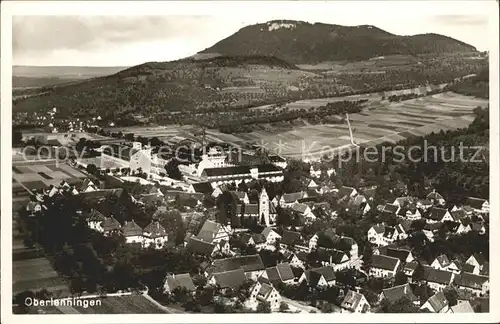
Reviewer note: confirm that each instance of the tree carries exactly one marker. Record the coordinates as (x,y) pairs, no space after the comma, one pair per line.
(264,307)
(284,307)
(91,169)
(451,295)
(402,305)
(400,278)
(17,138)
(172,169)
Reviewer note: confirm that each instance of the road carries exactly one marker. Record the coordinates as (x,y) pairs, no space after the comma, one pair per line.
(295,305)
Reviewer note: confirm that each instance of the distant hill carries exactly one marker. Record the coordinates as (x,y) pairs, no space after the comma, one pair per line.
(63,72)
(300,42)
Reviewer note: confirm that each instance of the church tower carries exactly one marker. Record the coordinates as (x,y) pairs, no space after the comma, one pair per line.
(264,207)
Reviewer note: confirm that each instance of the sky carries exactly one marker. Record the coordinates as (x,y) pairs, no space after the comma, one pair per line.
(93,40)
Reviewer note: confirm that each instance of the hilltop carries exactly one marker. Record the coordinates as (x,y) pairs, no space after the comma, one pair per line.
(300,42)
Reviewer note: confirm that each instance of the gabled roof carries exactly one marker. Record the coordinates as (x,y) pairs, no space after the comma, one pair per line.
(131,229)
(247,262)
(438,301)
(397,292)
(379,229)
(180,281)
(273,275)
(390,208)
(110,224)
(200,247)
(258,238)
(154,230)
(285,271)
(425,202)
(458,214)
(264,291)
(292,197)
(437,276)
(299,207)
(389,231)
(436,213)
(203,187)
(476,203)
(467,268)
(351,300)
(443,260)
(384,262)
(345,191)
(462,307)
(95,216)
(208,231)
(314,275)
(434,195)
(290,238)
(335,255)
(404,201)
(266,231)
(230,279)
(247,209)
(471,280)
(479,258)
(400,254)
(411,266)
(477,226)
(229,171)
(269,167)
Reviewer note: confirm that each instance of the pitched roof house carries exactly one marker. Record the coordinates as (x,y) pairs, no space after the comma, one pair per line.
(175,281)
(355,302)
(384,266)
(397,292)
(437,303)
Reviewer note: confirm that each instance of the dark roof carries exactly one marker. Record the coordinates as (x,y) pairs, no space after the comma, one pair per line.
(263,168)
(290,238)
(155,230)
(471,280)
(411,266)
(458,214)
(200,247)
(314,275)
(258,238)
(203,187)
(379,229)
(436,213)
(247,209)
(351,300)
(285,271)
(180,281)
(467,268)
(389,231)
(276,158)
(208,231)
(297,272)
(247,263)
(335,255)
(231,171)
(437,276)
(110,224)
(434,195)
(397,292)
(443,260)
(131,229)
(476,203)
(384,262)
(479,258)
(345,191)
(292,197)
(438,301)
(273,275)
(400,254)
(390,208)
(230,279)
(95,216)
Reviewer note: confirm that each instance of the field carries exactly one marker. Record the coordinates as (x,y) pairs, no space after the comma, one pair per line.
(39,175)
(379,122)
(64,138)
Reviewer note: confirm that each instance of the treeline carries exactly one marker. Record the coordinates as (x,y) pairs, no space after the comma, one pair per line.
(408,96)
(332,108)
(477,86)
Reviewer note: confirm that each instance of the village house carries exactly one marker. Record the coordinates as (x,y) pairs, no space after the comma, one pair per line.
(354,302)
(251,264)
(319,277)
(384,266)
(132,232)
(348,192)
(439,215)
(213,232)
(270,235)
(475,284)
(436,198)
(228,280)
(201,187)
(278,161)
(262,293)
(437,303)
(478,227)
(256,240)
(237,174)
(462,306)
(264,210)
(395,293)
(296,260)
(424,204)
(281,273)
(462,228)
(477,260)
(242,196)
(375,235)
(410,268)
(390,209)
(441,262)
(200,247)
(178,281)
(479,205)
(110,226)
(403,202)
(289,199)
(292,241)
(95,220)
(305,211)
(312,185)
(35,207)
(155,235)
(437,279)
(403,255)
(469,268)
(337,259)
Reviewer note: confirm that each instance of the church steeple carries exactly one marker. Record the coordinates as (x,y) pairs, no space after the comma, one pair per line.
(264,207)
